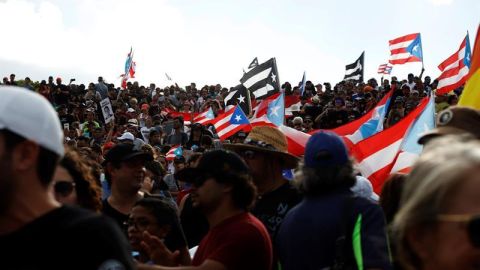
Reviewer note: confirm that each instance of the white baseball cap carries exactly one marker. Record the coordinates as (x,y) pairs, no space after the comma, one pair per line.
(31,116)
(126,136)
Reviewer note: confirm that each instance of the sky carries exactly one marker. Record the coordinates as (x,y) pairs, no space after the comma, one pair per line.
(210,42)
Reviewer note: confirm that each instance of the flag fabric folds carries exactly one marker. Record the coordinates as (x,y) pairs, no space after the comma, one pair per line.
(230,122)
(176,150)
(376,155)
(406,49)
(354,71)
(411,149)
(471,92)
(384,69)
(262,80)
(129,71)
(239,95)
(302,84)
(455,69)
(205,117)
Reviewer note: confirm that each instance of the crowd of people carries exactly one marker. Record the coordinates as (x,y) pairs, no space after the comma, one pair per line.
(114,195)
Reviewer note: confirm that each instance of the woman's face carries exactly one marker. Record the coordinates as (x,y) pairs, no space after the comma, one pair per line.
(448,245)
(64,186)
(140,220)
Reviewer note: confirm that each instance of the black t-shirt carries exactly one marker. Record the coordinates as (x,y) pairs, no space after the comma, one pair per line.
(119,217)
(66,238)
(272,207)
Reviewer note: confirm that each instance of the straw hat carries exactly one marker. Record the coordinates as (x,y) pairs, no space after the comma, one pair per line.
(268,140)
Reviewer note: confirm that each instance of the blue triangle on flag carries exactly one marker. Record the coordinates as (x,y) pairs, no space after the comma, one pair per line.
(276,110)
(178,151)
(239,117)
(210,114)
(415,48)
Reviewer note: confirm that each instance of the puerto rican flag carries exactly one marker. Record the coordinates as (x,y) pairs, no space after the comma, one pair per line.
(411,149)
(230,122)
(205,117)
(406,49)
(271,115)
(365,126)
(384,69)
(376,155)
(455,69)
(129,69)
(176,150)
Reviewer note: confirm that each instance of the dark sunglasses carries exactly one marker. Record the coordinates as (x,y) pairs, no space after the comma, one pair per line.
(472,222)
(248,154)
(64,188)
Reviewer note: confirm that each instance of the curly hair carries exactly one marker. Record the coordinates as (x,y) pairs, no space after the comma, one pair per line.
(87,188)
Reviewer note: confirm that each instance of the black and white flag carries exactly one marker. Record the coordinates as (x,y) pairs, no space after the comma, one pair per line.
(354,71)
(262,80)
(253,64)
(239,96)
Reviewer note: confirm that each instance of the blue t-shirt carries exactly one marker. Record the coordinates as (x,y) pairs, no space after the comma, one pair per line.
(308,236)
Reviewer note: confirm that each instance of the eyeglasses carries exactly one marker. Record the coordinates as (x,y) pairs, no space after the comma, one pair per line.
(64,187)
(248,154)
(139,224)
(472,222)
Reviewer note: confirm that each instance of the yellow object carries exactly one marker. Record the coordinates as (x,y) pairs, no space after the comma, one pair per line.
(471,92)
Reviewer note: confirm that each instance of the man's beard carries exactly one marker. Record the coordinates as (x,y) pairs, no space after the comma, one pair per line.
(7,184)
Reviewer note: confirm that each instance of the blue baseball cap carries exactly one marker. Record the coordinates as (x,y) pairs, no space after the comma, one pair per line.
(325,149)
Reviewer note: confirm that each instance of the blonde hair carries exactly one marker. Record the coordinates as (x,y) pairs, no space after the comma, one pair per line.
(427,192)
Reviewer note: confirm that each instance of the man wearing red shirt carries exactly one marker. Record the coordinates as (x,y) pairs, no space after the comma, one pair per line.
(223,190)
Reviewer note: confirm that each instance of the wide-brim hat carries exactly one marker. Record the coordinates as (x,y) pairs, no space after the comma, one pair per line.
(454,121)
(267,140)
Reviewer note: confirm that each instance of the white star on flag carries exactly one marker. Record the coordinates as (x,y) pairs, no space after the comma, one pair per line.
(415,48)
(241,99)
(238,118)
(273,77)
(274,110)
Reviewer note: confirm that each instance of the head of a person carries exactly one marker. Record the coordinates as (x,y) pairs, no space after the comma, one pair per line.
(265,150)
(326,166)
(391,194)
(178,122)
(154,170)
(454,120)
(155,136)
(221,176)
(152,215)
(298,123)
(31,143)
(438,224)
(410,77)
(179,162)
(124,167)
(73,182)
(12,77)
(100,79)
(127,137)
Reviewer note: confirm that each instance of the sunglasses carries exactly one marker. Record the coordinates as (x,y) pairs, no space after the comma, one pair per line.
(472,222)
(64,188)
(248,154)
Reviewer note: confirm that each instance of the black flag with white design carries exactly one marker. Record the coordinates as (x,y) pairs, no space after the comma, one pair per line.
(262,80)
(354,71)
(253,64)
(240,96)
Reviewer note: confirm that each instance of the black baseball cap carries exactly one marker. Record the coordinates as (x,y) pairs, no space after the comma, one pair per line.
(218,164)
(123,152)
